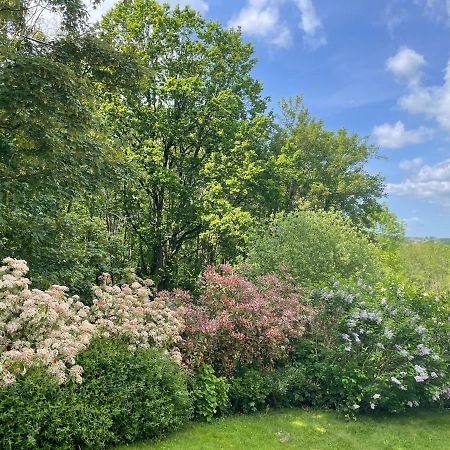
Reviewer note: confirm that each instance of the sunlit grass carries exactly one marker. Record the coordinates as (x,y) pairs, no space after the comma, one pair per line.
(309,430)
(427,263)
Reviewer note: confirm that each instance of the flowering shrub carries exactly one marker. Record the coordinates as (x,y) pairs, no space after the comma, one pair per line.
(39,328)
(130,311)
(378,350)
(240,322)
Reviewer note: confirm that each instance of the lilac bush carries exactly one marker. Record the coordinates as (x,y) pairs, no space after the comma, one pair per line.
(389,352)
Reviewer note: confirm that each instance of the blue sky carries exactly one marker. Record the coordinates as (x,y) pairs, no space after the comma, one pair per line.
(379,68)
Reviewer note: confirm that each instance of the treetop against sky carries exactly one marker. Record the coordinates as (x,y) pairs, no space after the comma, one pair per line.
(380,69)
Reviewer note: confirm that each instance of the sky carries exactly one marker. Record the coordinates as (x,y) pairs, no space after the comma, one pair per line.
(378,68)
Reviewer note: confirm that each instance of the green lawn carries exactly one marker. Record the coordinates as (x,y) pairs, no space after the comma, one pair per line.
(309,430)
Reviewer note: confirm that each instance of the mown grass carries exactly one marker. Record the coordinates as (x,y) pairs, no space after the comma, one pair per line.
(312,430)
(427,263)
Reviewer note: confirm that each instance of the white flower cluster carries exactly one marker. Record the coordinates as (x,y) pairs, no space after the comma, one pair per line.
(49,328)
(389,334)
(130,312)
(39,328)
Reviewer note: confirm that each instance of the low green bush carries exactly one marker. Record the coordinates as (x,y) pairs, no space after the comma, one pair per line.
(249,391)
(209,393)
(125,396)
(145,392)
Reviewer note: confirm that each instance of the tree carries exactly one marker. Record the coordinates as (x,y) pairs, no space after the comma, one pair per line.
(316,247)
(195,133)
(56,156)
(324,167)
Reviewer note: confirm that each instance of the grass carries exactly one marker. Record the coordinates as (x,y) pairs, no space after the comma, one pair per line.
(428,263)
(312,430)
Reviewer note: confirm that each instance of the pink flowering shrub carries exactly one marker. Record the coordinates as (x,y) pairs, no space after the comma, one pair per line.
(240,322)
(131,312)
(39,328)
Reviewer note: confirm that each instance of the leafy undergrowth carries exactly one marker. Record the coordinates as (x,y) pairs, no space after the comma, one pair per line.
(299,429)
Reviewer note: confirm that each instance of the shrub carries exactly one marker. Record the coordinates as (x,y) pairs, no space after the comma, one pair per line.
(209,393)
(130,311)
(144,393)
(249,391)
(377,349)
(237,322)
(316,247)
(292,385)
(124,397)
(39,328)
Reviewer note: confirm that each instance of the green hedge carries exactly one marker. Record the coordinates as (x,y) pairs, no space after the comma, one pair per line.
(125,396)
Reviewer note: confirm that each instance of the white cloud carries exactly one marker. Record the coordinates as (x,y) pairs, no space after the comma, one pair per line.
(410,164)
(406,65)
(311,25)
(437,172)
(397,136)
(413,221)
(432,182)
(394,14)
(263,18)
(433,101)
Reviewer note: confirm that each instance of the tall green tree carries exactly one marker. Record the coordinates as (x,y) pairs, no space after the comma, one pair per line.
(57,160)
(195,133)
(327,168)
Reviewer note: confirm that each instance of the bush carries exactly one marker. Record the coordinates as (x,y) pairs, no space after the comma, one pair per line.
(144,392)
(237,322)
(377,349)
(131,312)
(39,328)
(316,247)
(249,391)
(124,397)
(293,385)
(209,393)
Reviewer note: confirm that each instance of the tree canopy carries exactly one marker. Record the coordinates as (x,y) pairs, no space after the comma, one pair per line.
(146,144)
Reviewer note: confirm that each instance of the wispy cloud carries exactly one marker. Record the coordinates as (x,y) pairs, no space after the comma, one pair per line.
(432,182)
(438,10)
(397,136)
(394,14)
(314,36)
(263,18)
(411,164)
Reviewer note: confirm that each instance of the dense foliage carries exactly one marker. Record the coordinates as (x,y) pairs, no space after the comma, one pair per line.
(237,322)
(49,329)
(143,147)
(147,144)
(124,397)
(315,247)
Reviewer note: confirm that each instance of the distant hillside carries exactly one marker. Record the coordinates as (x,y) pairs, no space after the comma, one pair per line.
(427,261)
(429,239)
